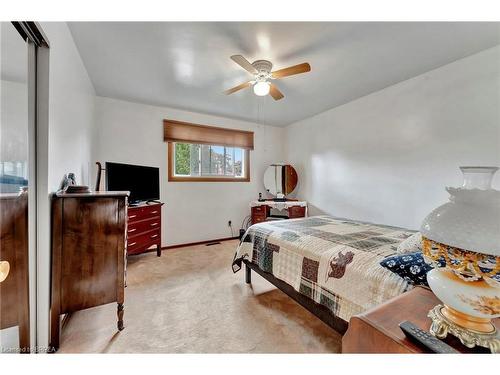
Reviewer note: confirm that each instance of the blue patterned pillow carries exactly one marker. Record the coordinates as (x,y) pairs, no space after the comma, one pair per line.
(409,266)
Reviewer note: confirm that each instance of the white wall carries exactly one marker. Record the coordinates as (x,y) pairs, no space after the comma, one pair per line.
(194,211)
(387,157)
(70,135)
(71,111)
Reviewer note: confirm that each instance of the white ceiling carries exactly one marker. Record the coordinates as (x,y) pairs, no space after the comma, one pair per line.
(187,65)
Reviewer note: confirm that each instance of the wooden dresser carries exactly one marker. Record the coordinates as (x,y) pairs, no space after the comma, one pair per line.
(144,228)
(261,211)
(88,254)
(377,330)
(14,290)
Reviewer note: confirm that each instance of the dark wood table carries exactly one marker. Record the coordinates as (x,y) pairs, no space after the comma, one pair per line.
(377,330)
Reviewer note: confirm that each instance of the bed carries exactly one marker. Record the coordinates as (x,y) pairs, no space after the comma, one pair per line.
(329,265)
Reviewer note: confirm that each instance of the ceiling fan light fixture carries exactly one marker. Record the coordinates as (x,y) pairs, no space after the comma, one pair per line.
(262,73)
(261,88)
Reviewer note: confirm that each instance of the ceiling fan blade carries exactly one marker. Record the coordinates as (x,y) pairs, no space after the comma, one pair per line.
(296,69)
(275,93)
(237,88)
(244,63)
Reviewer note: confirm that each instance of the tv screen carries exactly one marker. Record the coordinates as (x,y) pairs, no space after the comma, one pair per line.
(142,182)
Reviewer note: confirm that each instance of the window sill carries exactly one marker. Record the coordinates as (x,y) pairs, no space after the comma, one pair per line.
(207,179)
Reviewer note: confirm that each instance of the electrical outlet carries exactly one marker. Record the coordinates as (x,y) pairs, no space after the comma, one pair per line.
(229,223)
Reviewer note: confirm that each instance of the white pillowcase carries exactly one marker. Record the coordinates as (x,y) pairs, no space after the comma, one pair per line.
(411,244)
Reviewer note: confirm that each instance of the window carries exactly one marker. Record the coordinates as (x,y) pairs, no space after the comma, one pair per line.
(198,161)
(205,153)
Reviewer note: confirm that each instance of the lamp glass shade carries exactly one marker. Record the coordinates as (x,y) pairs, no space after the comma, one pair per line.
(471,219)
(478,177)
(261,88)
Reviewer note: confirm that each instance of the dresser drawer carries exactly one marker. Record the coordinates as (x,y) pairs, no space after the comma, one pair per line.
(296,211)
(139,249)
(259,214)
(136,228)
(260,211)
(139,242)
(143,212)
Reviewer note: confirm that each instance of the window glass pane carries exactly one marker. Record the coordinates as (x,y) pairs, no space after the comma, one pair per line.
(205,160)
(238,162)
(229,161)
(195,160)
(182,159)
(217,160)
(208,160)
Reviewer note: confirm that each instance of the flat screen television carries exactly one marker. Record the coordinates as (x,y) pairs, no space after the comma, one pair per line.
(142,182)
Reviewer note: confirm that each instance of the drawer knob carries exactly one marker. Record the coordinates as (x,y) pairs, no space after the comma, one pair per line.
(132,244)
(132,230)
(132,216)
(154,224)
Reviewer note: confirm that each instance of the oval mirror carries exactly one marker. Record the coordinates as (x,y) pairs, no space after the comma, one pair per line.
(280,180)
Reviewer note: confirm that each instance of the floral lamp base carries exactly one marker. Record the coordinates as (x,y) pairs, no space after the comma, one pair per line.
(441,326)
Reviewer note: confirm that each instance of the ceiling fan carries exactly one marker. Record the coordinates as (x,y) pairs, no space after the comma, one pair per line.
(261,69)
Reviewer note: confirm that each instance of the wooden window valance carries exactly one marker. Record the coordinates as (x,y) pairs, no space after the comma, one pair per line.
(185,132)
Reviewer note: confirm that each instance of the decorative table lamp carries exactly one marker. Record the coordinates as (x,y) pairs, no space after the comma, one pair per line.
(4,270)
(463,236)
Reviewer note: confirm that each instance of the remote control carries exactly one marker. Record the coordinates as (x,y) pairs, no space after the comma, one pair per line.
(425,339)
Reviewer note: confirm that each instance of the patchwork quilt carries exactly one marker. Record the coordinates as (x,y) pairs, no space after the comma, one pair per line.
(334,262)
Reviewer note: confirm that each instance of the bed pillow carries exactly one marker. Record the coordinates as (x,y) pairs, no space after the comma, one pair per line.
(409,266)
(411,244)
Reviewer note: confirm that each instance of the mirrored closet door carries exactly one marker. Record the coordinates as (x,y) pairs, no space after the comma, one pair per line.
(17,187)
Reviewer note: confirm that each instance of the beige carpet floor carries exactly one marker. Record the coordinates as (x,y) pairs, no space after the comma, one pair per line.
(189,301)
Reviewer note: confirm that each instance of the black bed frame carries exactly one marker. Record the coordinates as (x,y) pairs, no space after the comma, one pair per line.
(320,311)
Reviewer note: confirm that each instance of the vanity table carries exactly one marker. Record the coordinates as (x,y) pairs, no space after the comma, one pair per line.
(280,180)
